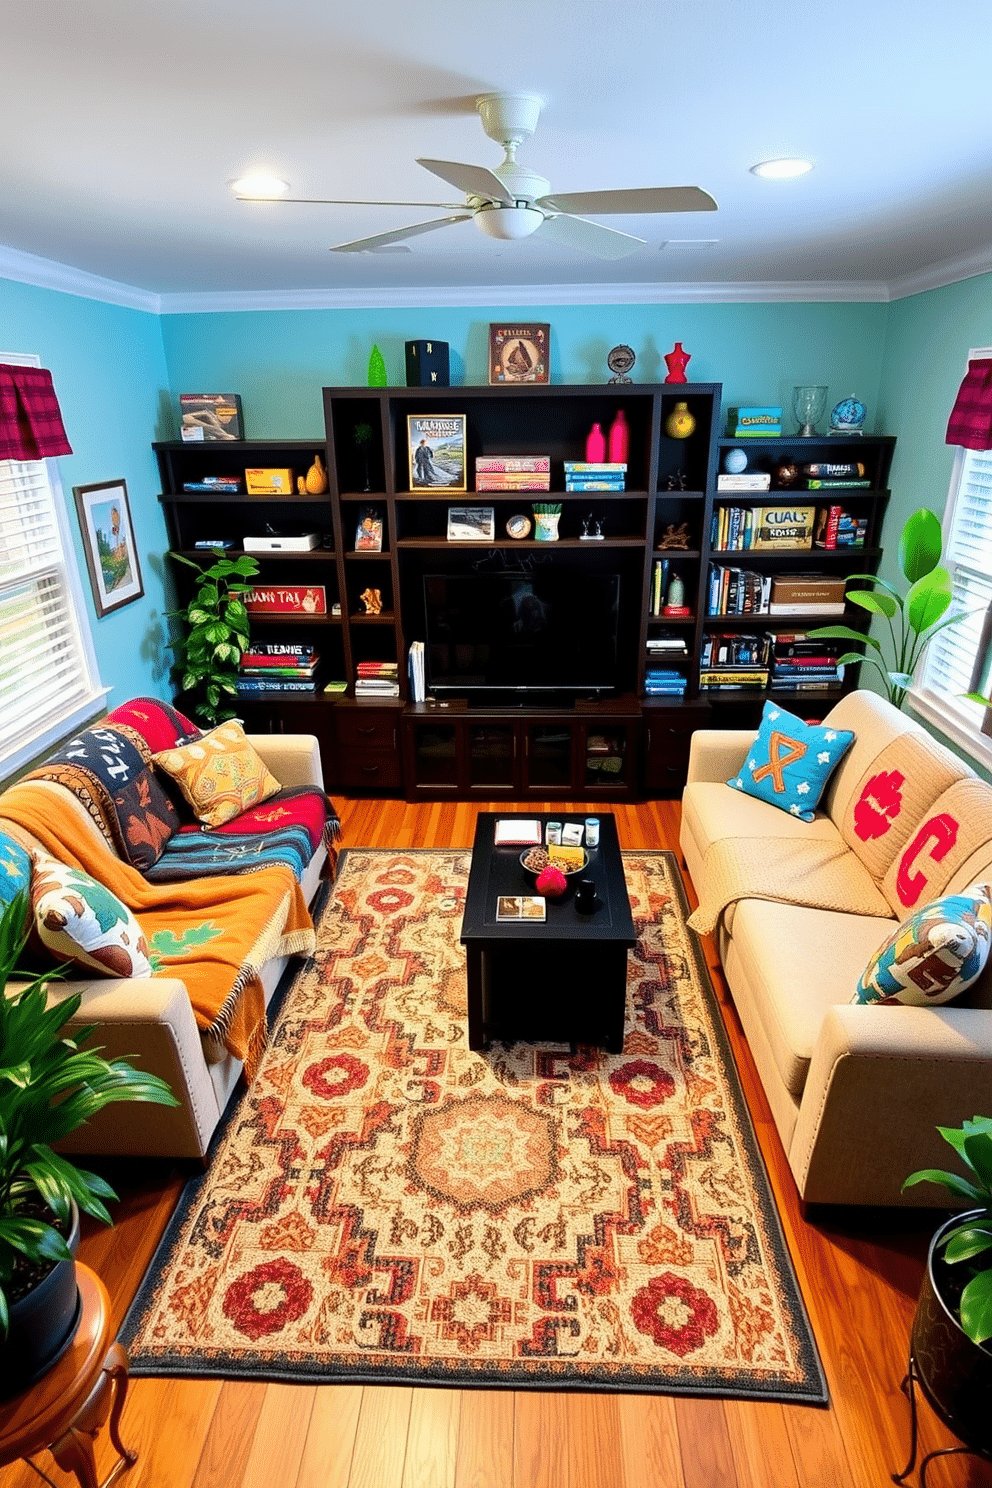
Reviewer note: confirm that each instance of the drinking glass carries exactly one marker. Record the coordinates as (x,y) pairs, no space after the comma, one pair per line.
(808,404)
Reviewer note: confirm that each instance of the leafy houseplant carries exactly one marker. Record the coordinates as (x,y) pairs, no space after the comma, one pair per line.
(50,1086)
(209,653)
(913,618)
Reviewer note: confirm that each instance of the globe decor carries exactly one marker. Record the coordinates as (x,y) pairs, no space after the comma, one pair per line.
(848,416)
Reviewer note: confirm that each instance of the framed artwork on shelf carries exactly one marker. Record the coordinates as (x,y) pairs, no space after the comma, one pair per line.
(436,445)
(108,542)
(471,524)
(520,352)
(368,535)
(204,417)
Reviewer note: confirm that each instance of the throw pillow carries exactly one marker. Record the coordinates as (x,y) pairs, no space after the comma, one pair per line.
(790,762)
(220,774)
(934,955)
(80,921)
(15,870)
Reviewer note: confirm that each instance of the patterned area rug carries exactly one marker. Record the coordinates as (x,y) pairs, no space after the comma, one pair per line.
(386,1205)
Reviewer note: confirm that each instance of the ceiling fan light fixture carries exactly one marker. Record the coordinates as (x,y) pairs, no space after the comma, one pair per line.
(781,170)
(508,223)
(260,186)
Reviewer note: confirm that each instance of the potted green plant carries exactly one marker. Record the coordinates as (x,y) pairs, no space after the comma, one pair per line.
(50,1085)
(216,633)
(952,1325)
(913,618)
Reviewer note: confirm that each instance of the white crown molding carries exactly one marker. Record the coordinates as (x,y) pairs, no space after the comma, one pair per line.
(45,273)
(951,271)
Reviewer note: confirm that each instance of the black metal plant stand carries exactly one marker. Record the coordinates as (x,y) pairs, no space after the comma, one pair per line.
(911,1380)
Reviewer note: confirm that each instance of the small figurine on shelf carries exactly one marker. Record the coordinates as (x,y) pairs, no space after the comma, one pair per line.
(586,524)
(371,600)
(675,598)
(597,529)
(377,368)
(620,361)
(675,537)
(676,361)
(676,481)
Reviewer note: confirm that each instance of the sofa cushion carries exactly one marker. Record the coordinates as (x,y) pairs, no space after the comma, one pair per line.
(893,795)
(948,839)
(80,921)
(933,956)
(791,964)
(790,762)
(15,870)
(875,723)
(220,774)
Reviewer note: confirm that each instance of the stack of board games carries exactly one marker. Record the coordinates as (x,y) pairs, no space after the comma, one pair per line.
(595,475)
(277,667)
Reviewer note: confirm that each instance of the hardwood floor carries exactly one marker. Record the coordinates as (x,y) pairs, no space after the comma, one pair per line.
(859,1271)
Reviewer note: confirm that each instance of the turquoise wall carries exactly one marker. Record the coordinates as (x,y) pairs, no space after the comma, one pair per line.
(109,370)
(278,360)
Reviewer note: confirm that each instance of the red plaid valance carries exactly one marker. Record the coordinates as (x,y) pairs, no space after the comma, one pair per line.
(30,419)
(970,423)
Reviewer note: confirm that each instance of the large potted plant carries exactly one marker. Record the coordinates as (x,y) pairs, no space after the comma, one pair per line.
(952,1327)
(911,619)
(215,635)
(50,1085)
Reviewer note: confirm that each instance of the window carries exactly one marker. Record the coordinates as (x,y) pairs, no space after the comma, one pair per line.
(49,684)
(959,659)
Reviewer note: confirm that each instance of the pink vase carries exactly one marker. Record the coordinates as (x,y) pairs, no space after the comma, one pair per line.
(595,445)
(619,440)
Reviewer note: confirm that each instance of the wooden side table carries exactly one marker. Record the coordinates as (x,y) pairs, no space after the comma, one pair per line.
(65,1410)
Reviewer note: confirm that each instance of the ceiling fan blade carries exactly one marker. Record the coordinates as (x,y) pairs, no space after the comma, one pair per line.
(333,201)
(589,237)
(379,240)
(651,199)
(474,180)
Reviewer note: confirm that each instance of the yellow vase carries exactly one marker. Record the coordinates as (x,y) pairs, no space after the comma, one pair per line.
(680,422)
(316,478)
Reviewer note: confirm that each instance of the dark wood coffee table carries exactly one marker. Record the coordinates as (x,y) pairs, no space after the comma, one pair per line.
(560,980)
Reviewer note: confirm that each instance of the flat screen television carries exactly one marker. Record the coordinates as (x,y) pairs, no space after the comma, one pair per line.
(505,633)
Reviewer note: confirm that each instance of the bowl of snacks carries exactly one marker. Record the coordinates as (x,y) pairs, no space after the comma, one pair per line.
(553,868)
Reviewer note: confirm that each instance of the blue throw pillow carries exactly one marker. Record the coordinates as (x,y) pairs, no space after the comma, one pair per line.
(935,955)
(15,870)
(790,762)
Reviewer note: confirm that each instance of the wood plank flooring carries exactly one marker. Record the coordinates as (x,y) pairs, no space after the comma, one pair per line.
(859,1271)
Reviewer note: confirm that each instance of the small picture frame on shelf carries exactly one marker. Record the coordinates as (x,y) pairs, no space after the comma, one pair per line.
(519,352)
(436,444)
(471,524)
(368,534)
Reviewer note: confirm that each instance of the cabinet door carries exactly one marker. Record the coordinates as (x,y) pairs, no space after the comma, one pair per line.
(668,735)
(547,757)
(607,756)
(433,756)
(491,758)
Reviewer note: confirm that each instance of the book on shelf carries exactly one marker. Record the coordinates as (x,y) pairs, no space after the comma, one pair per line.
(736,649)
(838,485)
(807,588)
(783,527)
(260,651)
(497,482)
(772,432)
(809,608)
(282,671)
(593,483)
(377,668)
(436,446)
(838,528)
(369,687)
(750,418)
(336,685)
(659,585)
(664,689)
(748,481)
(418,690)
(513,464)
(595,467)
(217,487)
(249,685)
(216,542)
(818,684)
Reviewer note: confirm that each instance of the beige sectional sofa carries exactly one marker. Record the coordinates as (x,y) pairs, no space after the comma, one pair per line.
(856,1092)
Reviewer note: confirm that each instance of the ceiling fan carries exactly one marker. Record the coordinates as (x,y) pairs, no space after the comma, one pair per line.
(513,202)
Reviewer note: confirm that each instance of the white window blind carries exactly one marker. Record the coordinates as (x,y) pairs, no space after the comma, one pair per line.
(949,665)
(48,676)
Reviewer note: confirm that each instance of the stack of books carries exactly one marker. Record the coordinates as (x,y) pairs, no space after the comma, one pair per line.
(662,682)
(801,663)
(837,528)
(748,480)
(737,591)
(277,667)
(726,679)
(595,475)
(377,679)
(219,485)
(671,645)
(751,423)
(734,660)
(513,473)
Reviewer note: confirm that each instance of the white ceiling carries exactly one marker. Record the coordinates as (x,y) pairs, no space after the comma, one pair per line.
(125,122)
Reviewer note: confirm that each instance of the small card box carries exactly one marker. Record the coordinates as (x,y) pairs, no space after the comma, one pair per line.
(571,834)
(427,364)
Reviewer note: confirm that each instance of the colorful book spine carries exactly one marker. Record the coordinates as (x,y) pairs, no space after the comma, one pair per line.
(512,464)
(248,685)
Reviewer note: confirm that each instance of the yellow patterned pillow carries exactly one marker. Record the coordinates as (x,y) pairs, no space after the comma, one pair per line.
(220,774)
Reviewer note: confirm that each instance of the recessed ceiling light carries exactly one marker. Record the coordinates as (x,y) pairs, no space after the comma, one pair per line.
(260,185)
(781,170)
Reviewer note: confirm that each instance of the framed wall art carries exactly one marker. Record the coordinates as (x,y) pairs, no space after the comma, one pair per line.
(108,542)
(519,353)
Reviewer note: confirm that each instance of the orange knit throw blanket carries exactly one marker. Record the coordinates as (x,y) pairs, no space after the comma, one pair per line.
(215,934)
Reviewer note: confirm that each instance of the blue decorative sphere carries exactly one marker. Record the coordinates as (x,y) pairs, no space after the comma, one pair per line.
(848,414)
(734,461)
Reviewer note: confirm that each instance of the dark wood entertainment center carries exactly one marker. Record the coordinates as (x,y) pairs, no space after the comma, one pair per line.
(622,746)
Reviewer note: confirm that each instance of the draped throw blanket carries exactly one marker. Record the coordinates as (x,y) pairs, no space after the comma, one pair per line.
(215,934)
(815,873)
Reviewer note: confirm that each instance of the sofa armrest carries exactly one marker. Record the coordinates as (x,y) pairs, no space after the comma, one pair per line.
(294,759)
(148,1020)
(716,753)
(880,1081)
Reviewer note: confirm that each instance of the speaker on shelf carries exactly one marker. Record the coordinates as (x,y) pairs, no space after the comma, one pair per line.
(427,364)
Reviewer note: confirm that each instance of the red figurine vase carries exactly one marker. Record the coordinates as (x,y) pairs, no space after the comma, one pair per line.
(676,361)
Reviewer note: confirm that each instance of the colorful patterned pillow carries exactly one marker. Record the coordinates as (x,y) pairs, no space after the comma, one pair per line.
(147,819)
(790,762)
(15,870)
(934,955)
(80,921)
(220,774)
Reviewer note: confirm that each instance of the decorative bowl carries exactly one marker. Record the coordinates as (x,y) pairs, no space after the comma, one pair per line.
(568,872)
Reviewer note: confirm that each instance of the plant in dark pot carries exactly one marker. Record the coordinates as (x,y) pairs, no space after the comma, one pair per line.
(50,1085)
(215,634)
(952,1326)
